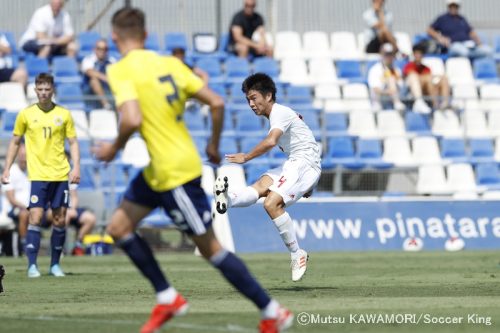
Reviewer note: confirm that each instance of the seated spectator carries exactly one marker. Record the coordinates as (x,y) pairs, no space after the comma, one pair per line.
(180,53)
(16,195)
(94,71)
(378,27)
(385,81)
(82,218)
(452,31)
(421,83)
(50,32)
(247,34)
(7,72)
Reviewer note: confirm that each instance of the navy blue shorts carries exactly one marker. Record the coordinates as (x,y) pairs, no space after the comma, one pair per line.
(32,46)
(49,194)
(186,205)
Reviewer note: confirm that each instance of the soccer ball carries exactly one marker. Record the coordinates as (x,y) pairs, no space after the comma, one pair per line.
(413,244)
(454,244)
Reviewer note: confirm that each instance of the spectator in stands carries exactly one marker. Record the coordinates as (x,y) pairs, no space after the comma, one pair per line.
(385,81)
(452,31)
(180,53)
(50,32)
(17,194)
(421,83)
(7,72)
(247,34)
(378,31)
(94,70)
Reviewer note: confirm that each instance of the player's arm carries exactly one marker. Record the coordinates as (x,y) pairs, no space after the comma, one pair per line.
(263,147)
(11,156)
(216,104)
(74,151)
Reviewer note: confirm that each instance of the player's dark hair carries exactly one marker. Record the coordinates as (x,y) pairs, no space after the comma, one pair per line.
(260,82)
(419,47)
(130,22)
(44,78)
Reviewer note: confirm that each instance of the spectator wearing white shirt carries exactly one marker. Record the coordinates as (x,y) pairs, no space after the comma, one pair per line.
(7,71)
(378,31)
(94,70)
(385,81)
(50,32)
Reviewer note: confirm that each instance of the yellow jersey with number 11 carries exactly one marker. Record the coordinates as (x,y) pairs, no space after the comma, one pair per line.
(44,133)
(161,85)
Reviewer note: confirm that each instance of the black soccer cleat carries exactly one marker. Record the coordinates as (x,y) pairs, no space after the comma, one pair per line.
(2,274)
(221,186)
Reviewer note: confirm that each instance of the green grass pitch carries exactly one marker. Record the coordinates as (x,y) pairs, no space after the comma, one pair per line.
(107,294)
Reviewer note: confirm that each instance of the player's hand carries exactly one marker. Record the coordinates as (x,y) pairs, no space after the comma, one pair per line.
(74,176)
(104,151)
(213,154)
(236,158)
(5,177)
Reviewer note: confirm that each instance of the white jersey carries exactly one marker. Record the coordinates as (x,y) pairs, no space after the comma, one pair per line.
(21,185)
(297,141)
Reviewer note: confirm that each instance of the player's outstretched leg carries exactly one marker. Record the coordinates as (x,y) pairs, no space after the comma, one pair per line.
(169,302)
(275,318)
(225,199)
(283,222)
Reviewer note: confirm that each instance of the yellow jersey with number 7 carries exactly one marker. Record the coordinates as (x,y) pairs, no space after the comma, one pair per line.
(161,85)
(45,133)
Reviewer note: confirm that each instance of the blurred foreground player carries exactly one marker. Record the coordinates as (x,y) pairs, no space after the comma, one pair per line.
(150,92)
(45,127)
(282,186)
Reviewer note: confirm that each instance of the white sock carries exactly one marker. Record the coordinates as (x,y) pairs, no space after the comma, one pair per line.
(271,310)
(244,198)
(166,296)
(285,226)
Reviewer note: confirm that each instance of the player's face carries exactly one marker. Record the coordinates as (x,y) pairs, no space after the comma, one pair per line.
(44,92)
(259,103)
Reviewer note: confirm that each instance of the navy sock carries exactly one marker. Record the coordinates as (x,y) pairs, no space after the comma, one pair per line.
(32,244)
(235,271)
(56,244)
(140,254)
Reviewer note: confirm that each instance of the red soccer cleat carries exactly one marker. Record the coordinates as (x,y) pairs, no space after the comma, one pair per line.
(163,312)
(78,251)
(276,325)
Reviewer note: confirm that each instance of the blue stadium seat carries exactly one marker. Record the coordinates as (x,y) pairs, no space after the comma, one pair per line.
(87,179)
(299,95)
(276,157)
(87,41)
(485,69)
(487,174)
(152,42)
(312,120)
(350,70)
(212,66)
(85,151)
(417,123)
(481,151)
(7,123)
(237,69)
(255,171)
(9,35)
(112,174)
(268,66)
(175,40)
(247,123)
(195,123)
(65,70)
(70,96)
(370,153)
(35,66)
(228,146)
(219,88)
(341,153)
(335,124)
(247,144)
(201,145)
(453,149)
(236,95)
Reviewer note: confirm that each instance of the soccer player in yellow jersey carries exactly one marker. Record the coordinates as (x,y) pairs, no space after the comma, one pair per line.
(45,127)
(150,92)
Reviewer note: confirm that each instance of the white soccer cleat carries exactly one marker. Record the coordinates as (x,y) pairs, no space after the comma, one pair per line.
(33,272)
(299,265)
(221,194)
(56,271)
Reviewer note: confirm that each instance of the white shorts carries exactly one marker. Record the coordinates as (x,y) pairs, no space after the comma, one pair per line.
(293,179)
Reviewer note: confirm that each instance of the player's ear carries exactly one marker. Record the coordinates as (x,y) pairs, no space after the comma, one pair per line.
(269,97)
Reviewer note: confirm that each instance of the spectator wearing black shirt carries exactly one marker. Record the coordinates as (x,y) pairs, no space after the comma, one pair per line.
(245,24)
(454,33)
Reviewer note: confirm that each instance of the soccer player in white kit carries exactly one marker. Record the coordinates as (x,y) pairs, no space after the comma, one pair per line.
(284,185)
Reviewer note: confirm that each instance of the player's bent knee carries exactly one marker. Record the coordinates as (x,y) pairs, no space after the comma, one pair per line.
(273,202)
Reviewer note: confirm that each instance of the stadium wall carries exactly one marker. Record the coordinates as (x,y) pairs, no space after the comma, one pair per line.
(371,224)
(191,16)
